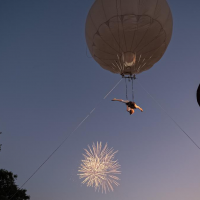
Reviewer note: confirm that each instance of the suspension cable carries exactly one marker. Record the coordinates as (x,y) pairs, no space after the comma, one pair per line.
(132,90)
(126,90)
(67,137)
(170,117)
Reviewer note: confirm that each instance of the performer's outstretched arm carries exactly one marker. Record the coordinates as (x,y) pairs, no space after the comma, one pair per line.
(139,107)
(120,100)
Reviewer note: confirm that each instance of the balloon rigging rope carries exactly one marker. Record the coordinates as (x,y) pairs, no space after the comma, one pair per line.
(126,90)
(132,90)
(86,52)
(67,137)
(170,117)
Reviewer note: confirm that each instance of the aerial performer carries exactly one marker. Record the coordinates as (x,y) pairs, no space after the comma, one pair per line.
(130,105)
(127,37)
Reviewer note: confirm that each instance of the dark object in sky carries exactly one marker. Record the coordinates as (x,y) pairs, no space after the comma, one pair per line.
(128,37)
(198,95)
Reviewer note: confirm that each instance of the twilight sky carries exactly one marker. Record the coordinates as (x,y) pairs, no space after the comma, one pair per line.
(48,85)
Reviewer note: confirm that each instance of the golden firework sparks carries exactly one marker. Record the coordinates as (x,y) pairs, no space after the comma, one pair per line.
(99,169)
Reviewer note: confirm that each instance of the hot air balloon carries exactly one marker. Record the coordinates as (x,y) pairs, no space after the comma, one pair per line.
(128,37)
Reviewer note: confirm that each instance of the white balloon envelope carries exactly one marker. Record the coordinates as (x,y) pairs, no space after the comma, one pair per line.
(128,36)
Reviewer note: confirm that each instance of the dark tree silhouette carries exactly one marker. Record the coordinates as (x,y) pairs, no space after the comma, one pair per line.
(8,187)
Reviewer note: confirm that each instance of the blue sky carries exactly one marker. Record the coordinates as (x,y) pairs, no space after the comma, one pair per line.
(48,86)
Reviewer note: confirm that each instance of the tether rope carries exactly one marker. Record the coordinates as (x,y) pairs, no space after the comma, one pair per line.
(66,138)
(170,117)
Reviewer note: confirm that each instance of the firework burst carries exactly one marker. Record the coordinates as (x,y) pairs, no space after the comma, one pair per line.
(99,169)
